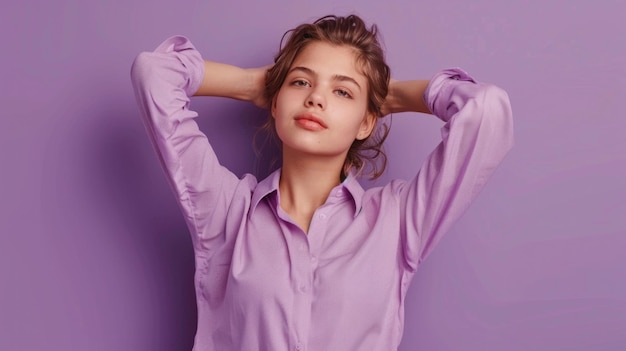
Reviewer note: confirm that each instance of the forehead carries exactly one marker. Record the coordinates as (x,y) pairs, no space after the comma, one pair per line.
(328,59)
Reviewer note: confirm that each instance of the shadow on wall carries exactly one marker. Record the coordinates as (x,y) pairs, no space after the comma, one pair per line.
(121,172)
(144,222)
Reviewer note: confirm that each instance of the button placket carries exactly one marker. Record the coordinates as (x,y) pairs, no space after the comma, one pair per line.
(301,286)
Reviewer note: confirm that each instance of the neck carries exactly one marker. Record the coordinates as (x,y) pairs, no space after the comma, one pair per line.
(305,182)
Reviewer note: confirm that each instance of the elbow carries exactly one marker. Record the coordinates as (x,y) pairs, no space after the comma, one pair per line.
(141,69)
(504,116)
(497,112)
(495,98)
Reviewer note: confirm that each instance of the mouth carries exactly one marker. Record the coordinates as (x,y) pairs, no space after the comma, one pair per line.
(310,122)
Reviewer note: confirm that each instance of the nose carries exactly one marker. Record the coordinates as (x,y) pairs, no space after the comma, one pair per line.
(316,99)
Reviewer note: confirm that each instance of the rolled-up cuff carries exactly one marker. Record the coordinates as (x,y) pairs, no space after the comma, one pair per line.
(189,56)
(438,87)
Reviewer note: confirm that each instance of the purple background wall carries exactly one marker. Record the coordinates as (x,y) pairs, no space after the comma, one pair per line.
(94,254)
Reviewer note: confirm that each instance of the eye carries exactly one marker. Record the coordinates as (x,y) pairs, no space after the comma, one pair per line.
(343,93)
(300,83)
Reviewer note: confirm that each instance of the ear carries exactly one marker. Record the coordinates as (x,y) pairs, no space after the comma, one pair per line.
(367,126)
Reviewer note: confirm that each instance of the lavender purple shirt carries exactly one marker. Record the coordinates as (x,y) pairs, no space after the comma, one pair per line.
(261,282)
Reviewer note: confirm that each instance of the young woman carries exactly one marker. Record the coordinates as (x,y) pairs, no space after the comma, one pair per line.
(306,259)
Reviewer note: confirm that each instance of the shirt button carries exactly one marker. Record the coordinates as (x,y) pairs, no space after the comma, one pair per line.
(322,215)
(313,259)
(302,288)
(339,193)
(298,347)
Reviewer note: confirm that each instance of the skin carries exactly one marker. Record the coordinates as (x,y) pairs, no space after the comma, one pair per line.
(319,111)
(323,83)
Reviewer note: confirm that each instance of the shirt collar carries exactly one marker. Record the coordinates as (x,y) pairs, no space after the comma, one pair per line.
(269,186)
(352,185)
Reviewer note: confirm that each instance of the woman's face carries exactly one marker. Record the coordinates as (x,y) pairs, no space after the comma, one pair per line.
(321,107)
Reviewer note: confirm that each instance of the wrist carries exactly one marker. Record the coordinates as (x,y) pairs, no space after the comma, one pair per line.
(253,86)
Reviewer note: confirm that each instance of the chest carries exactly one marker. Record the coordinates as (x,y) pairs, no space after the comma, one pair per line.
(339,263)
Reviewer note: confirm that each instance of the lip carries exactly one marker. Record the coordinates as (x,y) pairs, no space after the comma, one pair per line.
(310,122)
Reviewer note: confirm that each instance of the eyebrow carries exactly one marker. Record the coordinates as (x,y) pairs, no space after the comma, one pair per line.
(337,77)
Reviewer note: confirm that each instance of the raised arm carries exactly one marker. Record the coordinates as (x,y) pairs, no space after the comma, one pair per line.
(163,81)
(233,82)
(406,96)
(477,134)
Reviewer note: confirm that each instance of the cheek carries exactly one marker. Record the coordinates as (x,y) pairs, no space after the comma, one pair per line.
(359,114)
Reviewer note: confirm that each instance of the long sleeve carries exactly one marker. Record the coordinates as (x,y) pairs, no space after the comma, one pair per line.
(163,81)
(477,134)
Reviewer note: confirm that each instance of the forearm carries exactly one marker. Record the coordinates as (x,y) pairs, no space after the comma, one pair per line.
(407,96)
(227,81)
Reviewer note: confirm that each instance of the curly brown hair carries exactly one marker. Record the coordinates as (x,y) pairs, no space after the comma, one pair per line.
(353,32)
